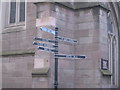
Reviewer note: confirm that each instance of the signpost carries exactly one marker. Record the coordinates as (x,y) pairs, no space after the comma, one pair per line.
(55,49)
(56,60)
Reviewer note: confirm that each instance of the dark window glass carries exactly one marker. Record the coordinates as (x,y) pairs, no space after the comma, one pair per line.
(22,11)
(110,28)
(12,12)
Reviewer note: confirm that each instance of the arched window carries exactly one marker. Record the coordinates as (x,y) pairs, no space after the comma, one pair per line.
(112,44)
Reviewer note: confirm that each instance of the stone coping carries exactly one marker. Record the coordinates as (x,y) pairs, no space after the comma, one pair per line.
(38,72)
(17,52)
(106,72)
(80,5)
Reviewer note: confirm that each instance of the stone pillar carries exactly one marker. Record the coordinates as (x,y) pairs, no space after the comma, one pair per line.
(91,32)
(87,74)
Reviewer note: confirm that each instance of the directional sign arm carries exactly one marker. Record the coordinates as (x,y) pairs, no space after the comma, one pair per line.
(47,30)
(45,40)
(70,56)
(66,39)
(46,49)
(43,44)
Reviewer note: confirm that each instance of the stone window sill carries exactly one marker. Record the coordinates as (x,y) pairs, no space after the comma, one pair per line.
(106,72)
(40,72)
(14,28)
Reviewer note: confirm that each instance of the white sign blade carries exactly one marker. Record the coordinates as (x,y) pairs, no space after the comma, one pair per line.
(47,30)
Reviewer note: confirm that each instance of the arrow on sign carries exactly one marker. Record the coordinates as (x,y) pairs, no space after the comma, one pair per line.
(70,56)
(66,39)
(43,39)
(47,30)
(46,49)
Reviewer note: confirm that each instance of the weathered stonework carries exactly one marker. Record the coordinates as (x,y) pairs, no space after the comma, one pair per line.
(27,67)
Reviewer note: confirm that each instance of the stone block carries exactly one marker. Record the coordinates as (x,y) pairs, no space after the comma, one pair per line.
(85,64)
(88,12)
(87,47)
(5,60)
(21,34)
(66,64)
(78,85)
(66,85)
(7,83)
(30,65)
(19,65)
(91,81)
(65,25)
(81,33)
(16,82)
(83,19)
(87,73)
(17,73)
(39,79)
(66,75)
(5,45)
(19,82)
(94,33)
(9,66)
(13,35)
(31,9)
(63,48)
(14,44)
(95,54)
(85,40)
(16,59)
(42,84)
(43,7)
(63,17)
(28,82)
(5,36)
(46,21)
(86,25)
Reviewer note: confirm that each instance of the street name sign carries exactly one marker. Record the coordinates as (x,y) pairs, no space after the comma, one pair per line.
(45,40)
(67,39)
(70,56)
(47,49)
(47,30)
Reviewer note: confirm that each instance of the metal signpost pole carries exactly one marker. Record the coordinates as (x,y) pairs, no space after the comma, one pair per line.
(56,60)
(41,46)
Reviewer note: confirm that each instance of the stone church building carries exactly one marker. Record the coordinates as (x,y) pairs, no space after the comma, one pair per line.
(94,25)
